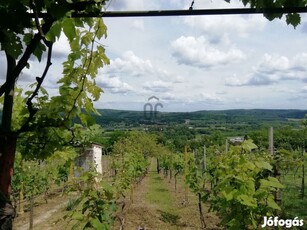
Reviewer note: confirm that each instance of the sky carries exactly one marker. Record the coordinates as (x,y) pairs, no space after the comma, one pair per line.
(193,63)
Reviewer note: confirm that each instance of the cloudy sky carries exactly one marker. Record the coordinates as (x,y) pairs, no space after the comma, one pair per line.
(200,62)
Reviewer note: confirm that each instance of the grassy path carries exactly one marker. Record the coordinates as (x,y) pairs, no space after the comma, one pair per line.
(154,207)
(157,205)
(158,195)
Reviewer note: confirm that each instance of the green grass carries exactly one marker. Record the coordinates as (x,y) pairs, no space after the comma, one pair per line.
(159,196)
(292,201)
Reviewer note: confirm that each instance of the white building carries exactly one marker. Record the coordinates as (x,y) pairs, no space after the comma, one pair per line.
(92,155)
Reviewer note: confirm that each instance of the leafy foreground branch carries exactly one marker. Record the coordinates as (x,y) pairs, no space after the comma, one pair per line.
(243,190)
(96,205)
(239,185)
(43,123)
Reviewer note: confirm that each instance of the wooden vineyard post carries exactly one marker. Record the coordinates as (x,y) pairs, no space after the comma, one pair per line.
(201,215)
(71,171)
(271,141)
(175,181)
(21,201)
(226,146)
(131,193)
(186,189)
(204,168)
(303,175)
(158,165)
(205,159)
(31,212)
(277,195)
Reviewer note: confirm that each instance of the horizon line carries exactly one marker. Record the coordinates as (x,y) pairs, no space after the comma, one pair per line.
(193,111)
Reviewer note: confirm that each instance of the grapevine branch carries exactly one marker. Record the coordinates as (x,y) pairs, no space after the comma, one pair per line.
(37,23)
(22,63)
(31,109)
(83,78)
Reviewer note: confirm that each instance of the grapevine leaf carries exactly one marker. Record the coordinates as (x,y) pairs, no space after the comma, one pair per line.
(263,165)
(87,119)
(38,52)
(294,19)
(69,28)
(275,183)
(54,32)
(97,224)
(101,28)
(12,44)
(271,203)
(27,38)
(77,216)
(228,196)
(248,145)
(250,165)
(247,200)
(59,10)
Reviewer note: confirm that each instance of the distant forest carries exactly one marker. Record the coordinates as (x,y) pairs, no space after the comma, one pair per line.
(201,118)
(229,122)
(212,127)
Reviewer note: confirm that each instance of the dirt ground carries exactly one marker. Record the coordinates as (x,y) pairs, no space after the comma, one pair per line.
(145,215)
(189,210)
(141,214)
(45,216)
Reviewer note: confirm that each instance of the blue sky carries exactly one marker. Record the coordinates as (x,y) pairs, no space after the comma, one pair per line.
(198,63)
(203,62)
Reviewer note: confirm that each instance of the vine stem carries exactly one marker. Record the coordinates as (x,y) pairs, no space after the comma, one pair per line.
(31,109)
(201,215)
(83,78)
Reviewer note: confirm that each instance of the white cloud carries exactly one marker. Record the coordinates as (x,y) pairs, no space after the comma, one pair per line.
(114,85)
(167,96)
(235,24)
(272,69)
(304,89)
(270,64)
(179,79)
(299,62)
(199,52)
(157,86)
(205,4)
(126,5)
(132,5)
(209,97)
(255,79)
(61,48)
(129,64)
(138,25)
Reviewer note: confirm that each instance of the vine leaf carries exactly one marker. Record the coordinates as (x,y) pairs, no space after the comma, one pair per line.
(293,19)
(271,203)
(54,32)
(69,28)
(247,200)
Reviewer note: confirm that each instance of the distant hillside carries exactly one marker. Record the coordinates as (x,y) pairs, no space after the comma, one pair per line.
(252,116)
(236,119)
